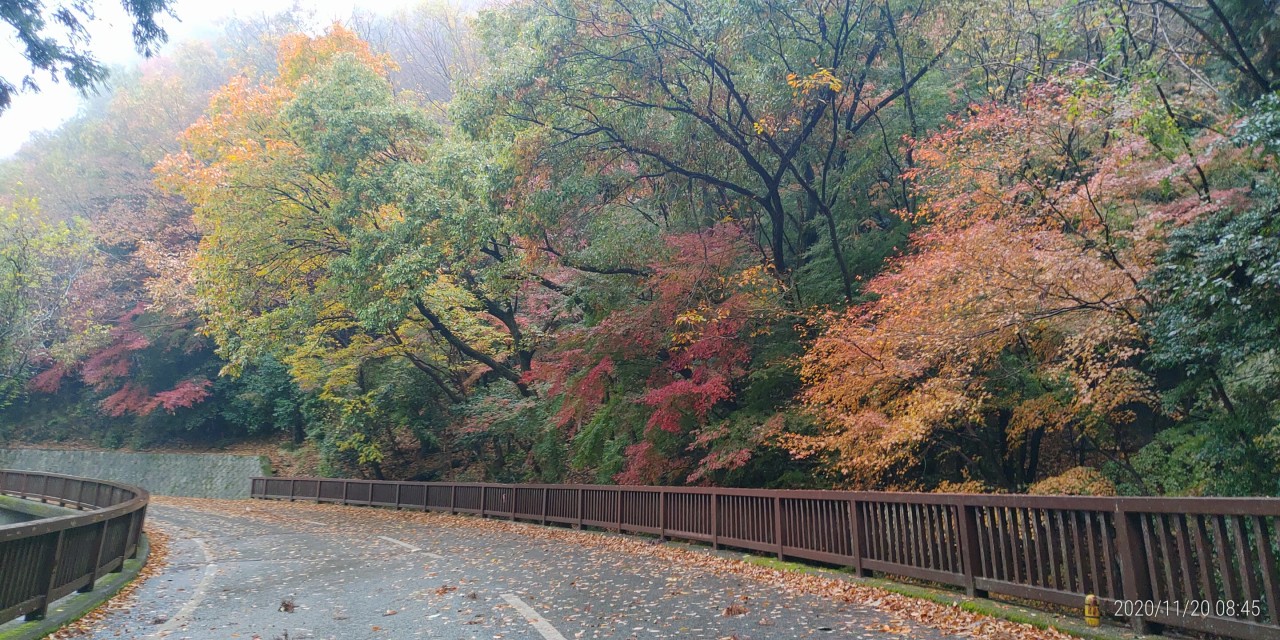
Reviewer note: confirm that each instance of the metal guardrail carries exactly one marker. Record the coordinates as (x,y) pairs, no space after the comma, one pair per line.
(44,560)
(1204,564)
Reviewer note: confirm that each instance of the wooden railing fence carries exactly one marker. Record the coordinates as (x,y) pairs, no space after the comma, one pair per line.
(1205,564)
(43,560)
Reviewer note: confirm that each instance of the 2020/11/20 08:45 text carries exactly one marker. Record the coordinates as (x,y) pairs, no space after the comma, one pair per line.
(1190,608)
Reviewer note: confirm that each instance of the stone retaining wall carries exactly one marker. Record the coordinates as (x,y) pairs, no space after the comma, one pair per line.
(195,475)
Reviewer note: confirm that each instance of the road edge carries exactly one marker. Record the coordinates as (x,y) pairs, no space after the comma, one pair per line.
(996,609)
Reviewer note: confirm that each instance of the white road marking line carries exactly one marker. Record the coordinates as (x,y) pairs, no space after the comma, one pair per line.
(540,623)
(401,543)
(412,548)
(201,590)
(314,522)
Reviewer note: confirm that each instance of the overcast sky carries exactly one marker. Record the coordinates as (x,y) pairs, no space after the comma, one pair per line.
(113,45)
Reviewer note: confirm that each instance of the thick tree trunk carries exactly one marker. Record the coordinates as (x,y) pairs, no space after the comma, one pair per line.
(471,352)
(778,235)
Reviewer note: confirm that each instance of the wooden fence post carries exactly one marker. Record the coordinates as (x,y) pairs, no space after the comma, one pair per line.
(53,557)
(579,525)
(617,503)
(855,523)
(1136,582)
(969,549)
(777,524)
(662,514)
(135,533)
(101,539)
(715,520)
(120,567)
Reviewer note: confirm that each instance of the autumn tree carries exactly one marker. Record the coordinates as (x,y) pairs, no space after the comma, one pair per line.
(755,111)
(40,263)
(660,377)
(969,245)
(1007,346)
(130,358)
(344,234)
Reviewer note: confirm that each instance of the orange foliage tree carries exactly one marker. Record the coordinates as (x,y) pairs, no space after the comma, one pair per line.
(1006,346)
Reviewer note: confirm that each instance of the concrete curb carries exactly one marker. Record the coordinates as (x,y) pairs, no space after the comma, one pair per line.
(77,605)
(33,507)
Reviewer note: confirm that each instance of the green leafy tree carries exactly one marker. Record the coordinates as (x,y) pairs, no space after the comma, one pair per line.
(55,40)
(357,244)
(1215,337)
(764,112)
(40,263)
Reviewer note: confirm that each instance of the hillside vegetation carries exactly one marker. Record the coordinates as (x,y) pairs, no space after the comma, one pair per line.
(917,245)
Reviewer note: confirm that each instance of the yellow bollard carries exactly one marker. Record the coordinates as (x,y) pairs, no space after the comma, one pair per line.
(1092,614)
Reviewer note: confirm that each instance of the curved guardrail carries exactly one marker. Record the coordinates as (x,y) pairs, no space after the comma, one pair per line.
(1204,564)
(44,560)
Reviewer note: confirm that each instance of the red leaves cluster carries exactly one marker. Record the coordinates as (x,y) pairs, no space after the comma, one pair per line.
(113,363)
(111,369)
(185,394)
(647,465)
(590,391)
(135,399)
(130,398)
(694,321)
(706,298)
(49,380)
(679,398)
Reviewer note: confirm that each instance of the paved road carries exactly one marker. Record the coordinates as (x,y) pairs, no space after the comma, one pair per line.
(282,571)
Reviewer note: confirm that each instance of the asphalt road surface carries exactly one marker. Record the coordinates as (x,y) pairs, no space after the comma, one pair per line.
(257,570)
